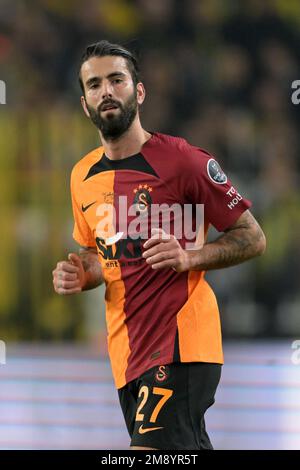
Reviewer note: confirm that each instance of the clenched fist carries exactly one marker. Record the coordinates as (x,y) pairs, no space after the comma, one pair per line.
(165,251)
(69,277)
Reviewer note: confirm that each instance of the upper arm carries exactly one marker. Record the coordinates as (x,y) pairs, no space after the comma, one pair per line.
(82,232)
(209,185)
(246,220)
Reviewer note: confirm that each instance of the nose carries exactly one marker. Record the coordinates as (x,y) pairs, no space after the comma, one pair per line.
(106,89)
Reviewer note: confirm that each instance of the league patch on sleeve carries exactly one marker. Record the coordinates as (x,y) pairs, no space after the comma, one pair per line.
(215,172)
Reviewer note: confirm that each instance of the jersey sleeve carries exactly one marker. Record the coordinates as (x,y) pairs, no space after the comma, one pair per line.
(209,185)
(82,233)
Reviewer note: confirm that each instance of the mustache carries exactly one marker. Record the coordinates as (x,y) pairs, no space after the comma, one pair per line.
(106,103)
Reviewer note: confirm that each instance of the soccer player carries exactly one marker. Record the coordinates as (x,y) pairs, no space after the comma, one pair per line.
(164,336)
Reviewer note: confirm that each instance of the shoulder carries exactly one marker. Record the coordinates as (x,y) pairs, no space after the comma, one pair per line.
(186,159)
(180,148)
(81,168)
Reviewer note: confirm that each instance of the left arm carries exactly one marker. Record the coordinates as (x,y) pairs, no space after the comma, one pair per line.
(241,241)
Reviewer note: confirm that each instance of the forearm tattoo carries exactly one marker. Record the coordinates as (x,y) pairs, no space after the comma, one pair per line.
(242,241)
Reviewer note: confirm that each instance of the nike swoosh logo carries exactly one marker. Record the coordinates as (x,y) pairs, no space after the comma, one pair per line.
(85,208)
(143,431)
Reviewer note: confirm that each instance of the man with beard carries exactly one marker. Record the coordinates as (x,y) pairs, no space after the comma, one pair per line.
(164,337)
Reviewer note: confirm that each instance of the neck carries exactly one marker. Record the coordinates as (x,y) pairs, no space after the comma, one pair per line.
(128,144)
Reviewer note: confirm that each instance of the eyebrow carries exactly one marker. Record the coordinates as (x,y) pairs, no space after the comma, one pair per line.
(98,79)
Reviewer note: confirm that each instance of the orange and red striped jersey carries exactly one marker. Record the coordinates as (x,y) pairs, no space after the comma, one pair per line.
(153,317)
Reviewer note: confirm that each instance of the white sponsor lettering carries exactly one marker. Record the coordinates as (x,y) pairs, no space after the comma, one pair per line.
(236,199)
(231,191)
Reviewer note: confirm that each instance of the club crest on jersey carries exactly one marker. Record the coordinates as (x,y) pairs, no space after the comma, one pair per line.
(142,199)
(215,172)
(162,373)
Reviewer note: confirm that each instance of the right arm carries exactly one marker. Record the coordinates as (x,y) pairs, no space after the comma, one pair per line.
(81,272)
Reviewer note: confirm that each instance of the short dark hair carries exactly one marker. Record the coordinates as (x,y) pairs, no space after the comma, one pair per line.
(105,48)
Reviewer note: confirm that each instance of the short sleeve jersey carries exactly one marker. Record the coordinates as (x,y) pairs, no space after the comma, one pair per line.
(153,317)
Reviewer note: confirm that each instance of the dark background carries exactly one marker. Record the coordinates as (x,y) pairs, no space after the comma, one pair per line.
(218,73)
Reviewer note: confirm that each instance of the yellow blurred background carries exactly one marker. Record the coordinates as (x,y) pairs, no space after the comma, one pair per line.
(218,74)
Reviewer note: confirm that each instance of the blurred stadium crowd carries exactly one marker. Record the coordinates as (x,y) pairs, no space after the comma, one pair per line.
(218,73)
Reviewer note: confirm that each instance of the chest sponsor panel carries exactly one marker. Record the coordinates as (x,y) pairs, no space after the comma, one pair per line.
(118,204)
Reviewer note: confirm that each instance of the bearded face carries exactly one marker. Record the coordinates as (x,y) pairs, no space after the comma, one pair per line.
(113,118)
